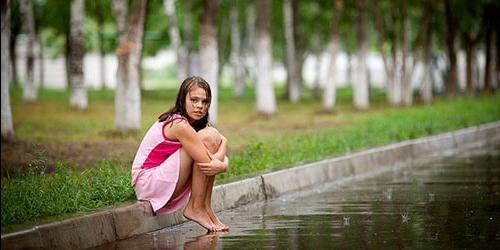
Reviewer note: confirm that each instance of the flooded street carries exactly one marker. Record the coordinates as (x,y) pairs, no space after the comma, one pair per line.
(453,203)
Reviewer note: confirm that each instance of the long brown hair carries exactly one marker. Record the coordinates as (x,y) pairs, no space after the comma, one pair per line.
(180,103)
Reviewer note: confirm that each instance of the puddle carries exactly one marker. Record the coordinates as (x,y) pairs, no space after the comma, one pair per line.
(454,203)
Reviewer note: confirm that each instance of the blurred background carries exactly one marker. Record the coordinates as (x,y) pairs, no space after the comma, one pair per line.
(292,81)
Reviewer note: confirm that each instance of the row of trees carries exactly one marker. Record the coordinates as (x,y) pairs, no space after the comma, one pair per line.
(250,36)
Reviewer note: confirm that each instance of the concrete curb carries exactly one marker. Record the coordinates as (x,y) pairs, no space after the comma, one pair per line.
(136,219)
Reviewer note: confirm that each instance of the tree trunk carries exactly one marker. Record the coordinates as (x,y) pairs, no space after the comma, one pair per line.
(188,34)
(41,63)
(78,98)
(451,23)
(249,44)
(470,41)
(427,52)
(488,62)
(13,59)
(496,56)
(316,89)
(209,53)
(236,60)
(223,42)
(128,95)
(427,61)
(6,121)
(329,91)
(406,89)
(30,88)
(67,52)
(292,71)
(266,100)
(175,39)
(388,67)
(396,61)
(102,63)
(360,87)
(468,68)
(102,55)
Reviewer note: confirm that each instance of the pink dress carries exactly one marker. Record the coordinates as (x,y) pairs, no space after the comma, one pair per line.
(155,170)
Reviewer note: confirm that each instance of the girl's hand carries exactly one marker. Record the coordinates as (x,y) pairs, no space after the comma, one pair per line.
(215,166)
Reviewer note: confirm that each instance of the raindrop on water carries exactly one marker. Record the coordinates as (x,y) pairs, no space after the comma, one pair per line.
(405,218)
(388,193)
(346,221)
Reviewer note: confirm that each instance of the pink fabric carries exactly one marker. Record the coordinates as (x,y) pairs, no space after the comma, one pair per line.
(155,170)
(159,154)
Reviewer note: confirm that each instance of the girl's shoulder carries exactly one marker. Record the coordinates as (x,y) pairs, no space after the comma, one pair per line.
(174,120)
(175,117)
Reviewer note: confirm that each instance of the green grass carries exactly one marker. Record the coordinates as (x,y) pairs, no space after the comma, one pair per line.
(298,134)
(37,195)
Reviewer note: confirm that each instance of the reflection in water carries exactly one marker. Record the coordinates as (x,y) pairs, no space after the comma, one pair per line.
(454,203)
(204,241)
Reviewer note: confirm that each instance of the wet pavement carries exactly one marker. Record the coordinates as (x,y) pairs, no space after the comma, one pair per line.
(453,203)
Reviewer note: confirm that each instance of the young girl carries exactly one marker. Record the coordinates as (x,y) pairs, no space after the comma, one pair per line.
(173,160)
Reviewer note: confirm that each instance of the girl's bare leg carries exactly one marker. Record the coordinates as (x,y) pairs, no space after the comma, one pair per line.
(208,205)
(195,209)
(211,140)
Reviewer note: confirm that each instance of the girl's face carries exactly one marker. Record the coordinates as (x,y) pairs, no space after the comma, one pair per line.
(196,103)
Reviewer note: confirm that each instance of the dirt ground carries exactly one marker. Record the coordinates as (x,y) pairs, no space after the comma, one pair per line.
(18,155)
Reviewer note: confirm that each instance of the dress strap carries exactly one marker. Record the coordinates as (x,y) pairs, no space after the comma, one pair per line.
(170,120)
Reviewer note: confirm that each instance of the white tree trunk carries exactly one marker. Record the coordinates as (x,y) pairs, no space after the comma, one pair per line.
(427,80)
(293,81)
(40,62)
(209,55)
(78,98)
(102,55)
(128,95)
(360,87)
(175,38)
(396,78)
(236,60)
(426,83)
(406,90)
(102,67)
(329,92)
(250,43)
(30,89)
(6,121)
(266,100)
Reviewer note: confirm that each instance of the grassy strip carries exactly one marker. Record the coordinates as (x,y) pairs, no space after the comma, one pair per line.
(36,195)
(387,127)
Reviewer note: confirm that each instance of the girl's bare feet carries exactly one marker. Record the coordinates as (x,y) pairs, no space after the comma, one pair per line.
(201,217)
(220,226)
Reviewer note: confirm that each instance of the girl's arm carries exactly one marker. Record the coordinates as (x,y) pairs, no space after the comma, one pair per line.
(190,140)
(219,155)
(222,151)
(193,145)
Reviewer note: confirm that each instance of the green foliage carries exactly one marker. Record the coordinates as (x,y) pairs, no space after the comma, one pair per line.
(36,194)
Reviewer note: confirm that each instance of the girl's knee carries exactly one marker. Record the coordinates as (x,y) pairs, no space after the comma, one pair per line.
(210,138)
